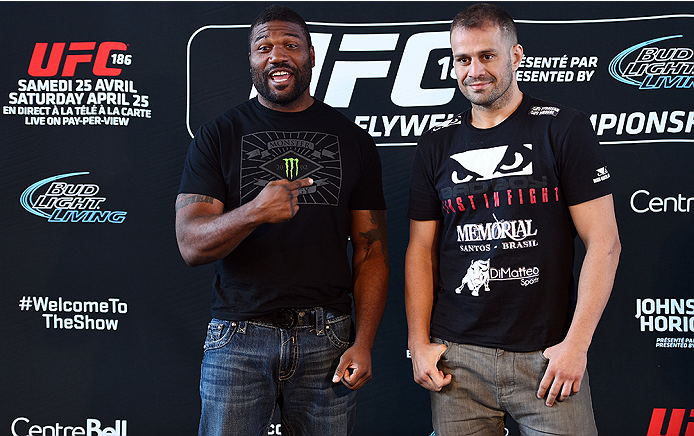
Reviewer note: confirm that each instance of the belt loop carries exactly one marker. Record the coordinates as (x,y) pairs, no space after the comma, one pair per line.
(320,321)
(242,327)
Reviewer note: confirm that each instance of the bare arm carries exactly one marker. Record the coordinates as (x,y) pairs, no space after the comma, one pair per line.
(370,269)
(421,280)
(597,227)
(205,233)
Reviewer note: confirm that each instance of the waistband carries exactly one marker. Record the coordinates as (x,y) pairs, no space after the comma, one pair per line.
(287,318)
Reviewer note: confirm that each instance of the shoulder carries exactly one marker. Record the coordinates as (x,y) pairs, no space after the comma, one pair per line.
(338,122)
(440,135)
(551,112)
(225,122)
(448,126)
(325,110)
(559,121)
(240,111)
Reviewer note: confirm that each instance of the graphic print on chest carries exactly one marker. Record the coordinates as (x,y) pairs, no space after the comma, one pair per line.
(494,177)
(273,155)
(494,162)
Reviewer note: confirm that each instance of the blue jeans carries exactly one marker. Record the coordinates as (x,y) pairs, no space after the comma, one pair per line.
(489,384)
(249,367)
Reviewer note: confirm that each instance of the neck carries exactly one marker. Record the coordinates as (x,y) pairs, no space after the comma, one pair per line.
(486,117)
(300,104)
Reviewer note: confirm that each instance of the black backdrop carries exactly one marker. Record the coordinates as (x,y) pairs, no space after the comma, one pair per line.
(101,322)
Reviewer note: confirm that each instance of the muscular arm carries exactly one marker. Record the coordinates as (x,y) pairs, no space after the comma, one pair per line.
(205,233)
(421,279)
(597,227)
(370,269)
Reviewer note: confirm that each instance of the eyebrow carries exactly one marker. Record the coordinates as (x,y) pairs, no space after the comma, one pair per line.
(264,35)
(481,52)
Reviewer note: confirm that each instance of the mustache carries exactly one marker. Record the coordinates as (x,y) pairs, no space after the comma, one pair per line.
(481,79)
(281,66)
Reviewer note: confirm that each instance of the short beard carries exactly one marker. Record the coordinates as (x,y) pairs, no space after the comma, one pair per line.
(500,94)
(302,76)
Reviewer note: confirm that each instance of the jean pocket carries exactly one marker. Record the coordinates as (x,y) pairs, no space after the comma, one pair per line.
(542,356)
(443,342)
(339,331)
(219,333)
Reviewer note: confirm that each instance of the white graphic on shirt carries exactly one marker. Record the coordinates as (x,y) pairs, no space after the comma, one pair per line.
(480,273)
(493,163)
(456,121)
(476,277)
(544,110)
(603,174)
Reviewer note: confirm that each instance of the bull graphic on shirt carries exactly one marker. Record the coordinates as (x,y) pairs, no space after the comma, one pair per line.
(476,277)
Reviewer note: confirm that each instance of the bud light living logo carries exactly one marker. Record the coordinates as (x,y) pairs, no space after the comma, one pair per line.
(63,202)
(655,64)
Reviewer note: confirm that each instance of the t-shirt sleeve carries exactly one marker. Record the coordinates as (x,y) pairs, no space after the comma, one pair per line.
(368,191)
(202,172)
(583,172)
(424,204)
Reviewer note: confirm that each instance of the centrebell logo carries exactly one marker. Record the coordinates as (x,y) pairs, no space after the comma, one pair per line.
(642,201)
(61,202)
(22,426)
(655,64)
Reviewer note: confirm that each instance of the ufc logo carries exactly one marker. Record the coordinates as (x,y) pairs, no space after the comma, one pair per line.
(407,90)
(674,427)
(39,67)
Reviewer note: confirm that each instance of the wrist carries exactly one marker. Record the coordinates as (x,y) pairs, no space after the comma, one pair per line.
(416,342)
(577,343)
(252,214)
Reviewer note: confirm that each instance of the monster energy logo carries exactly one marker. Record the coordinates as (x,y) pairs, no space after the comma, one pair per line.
(291,165)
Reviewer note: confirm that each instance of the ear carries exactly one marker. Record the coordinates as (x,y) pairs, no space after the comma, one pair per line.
(516,56)
(312,51)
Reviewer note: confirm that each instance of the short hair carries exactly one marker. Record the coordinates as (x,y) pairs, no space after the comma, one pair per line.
(280,13)
(481,15)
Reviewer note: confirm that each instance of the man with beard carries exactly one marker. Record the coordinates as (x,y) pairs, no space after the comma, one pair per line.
(271,192)
(497,196)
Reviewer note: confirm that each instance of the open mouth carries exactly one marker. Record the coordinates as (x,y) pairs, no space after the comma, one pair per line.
(280,76)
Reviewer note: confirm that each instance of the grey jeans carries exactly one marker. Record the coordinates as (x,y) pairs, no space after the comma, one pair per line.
(489,384)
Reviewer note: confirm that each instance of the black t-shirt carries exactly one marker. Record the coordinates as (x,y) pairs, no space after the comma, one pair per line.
(302,262)
(507,245)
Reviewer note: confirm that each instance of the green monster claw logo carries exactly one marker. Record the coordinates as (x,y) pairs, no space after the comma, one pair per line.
(291,166)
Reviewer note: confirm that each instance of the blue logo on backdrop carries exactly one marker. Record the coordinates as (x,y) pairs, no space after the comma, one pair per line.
(655,67)
(68,203)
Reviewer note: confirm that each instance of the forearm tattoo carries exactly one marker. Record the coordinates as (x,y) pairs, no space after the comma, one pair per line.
(377,234)
(184,201)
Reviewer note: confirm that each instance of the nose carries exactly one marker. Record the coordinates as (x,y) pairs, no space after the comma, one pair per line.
(278,54)
(475,69)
